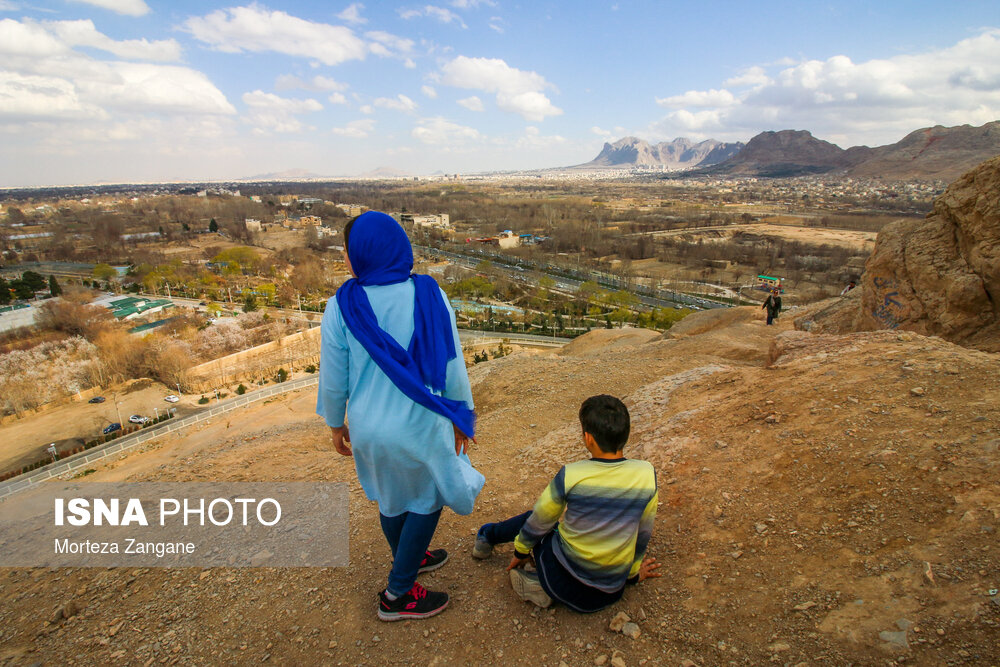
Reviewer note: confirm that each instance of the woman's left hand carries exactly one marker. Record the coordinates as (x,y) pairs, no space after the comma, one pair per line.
(461,442)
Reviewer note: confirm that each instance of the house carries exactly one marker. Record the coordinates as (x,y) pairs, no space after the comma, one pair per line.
(433,221)
(252,224)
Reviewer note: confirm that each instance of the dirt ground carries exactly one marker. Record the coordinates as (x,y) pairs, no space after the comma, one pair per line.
(71,424)
(823,501)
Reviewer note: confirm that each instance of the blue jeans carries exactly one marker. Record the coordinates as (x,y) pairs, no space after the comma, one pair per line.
(408,534)
(557,582)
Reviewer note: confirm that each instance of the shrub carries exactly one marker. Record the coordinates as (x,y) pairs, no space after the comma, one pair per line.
(202,401)
(240,390)
(311,368)
(281,376)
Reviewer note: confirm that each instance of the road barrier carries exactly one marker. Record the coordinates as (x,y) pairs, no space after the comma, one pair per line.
(128,442)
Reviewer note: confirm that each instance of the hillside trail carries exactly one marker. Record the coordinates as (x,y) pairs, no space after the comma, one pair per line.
(823,500)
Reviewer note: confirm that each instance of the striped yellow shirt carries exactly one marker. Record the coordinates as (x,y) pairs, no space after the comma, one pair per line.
(609,507)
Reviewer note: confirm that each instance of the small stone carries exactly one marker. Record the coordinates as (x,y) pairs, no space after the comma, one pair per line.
(601,660)
(620,619)
(617,661)
(778,647)
(204,574)
(631,630)
(940,632)
(772,419)
(688,663)
(903,624)
(804,606)
(917,391)
(260,558)
(333,643)
(719,444)
(894,638)
(760,528)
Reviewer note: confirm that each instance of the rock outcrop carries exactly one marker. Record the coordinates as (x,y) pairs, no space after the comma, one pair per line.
(937,276)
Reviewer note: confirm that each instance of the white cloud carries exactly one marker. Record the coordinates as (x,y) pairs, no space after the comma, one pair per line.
(126,7)
(83,33)
(41,65)
(366,109)
(516,90)
(356,129)
(496,24)
(699,98)
(387,45)
(441,14)
(353,14)
(600,132)
(429,92)
(398,103)
(472,4)
(872,102)
(472,103)
(318,83)
(268,112)
(257,29)
(8,6)
(337,98)
(533,139)
(443,133)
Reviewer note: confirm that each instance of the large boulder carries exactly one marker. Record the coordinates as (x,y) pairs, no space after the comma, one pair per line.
(937,276)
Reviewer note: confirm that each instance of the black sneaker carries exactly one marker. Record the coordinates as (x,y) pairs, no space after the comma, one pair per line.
(433,560)
(418,603)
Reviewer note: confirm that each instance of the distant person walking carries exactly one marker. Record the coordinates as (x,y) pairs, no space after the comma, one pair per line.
(391,360)
(773,306)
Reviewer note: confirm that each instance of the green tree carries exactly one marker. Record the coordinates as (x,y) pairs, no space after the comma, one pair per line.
(213,226)
(104,272)
(249,303)
(35,281)
(22,290)
(5,296)
(54,288)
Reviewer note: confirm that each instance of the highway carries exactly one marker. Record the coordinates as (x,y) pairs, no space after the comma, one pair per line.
(646,296)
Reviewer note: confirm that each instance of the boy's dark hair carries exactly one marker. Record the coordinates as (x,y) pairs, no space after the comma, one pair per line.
(606,418)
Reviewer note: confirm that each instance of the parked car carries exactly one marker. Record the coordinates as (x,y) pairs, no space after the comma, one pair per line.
(171,399)
(138,419)
(96,399)
(111,428)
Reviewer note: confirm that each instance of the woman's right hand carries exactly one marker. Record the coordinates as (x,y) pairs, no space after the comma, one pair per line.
(341,438)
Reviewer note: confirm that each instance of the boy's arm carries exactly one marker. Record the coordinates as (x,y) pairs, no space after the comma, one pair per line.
(645,533)
(544,517)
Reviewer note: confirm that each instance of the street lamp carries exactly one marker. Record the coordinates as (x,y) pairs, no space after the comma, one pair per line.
(179,389)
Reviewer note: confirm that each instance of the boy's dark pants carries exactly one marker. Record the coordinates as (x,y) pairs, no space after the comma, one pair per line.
(555,579)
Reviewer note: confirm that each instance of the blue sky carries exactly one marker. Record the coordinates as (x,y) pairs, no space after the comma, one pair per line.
(143,90)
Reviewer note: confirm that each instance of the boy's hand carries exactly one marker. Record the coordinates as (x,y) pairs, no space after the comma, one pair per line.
(516,563)
(648,569)
(461,442)
(341,436)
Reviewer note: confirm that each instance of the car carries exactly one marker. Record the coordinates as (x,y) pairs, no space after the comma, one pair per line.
(138,419)
(96,399)
(171,399)
(111,428)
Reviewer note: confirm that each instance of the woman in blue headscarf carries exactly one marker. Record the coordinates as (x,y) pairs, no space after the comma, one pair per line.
(390,345)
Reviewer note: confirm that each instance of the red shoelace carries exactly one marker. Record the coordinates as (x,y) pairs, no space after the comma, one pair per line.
(418,591)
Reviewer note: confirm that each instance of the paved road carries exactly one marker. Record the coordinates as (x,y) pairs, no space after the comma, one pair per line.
(654,298)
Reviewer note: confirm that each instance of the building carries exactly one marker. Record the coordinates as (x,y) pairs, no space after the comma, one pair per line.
(253,224)
(131,307)
(508,239)
(432,221)
(352,210)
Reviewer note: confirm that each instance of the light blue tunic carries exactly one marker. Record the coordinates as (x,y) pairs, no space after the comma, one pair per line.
(403,452)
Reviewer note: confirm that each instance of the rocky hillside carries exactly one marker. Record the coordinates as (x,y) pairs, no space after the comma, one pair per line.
(934,153)
(937,276)
(677,154)
(824,499)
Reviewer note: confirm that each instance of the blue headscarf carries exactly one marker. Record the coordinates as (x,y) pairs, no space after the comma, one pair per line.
(380,254)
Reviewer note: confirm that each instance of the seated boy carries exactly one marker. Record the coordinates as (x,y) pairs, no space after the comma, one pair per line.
(607,505)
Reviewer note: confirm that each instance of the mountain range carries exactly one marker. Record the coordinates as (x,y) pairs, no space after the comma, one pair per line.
(680,153)
(938,152)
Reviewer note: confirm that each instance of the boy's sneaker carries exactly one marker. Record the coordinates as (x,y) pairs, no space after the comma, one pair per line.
(528,588)
(481,549)
(417,603)
(433,560)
